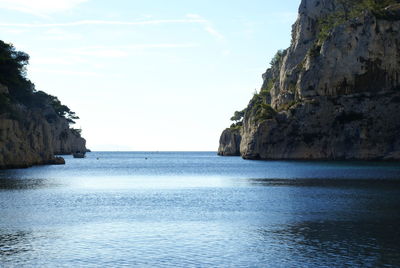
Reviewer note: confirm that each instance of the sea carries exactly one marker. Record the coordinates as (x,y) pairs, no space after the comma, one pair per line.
(197,209)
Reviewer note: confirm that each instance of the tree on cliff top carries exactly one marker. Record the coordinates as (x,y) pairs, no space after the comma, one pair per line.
(21,90)
(13,72)
(238,116)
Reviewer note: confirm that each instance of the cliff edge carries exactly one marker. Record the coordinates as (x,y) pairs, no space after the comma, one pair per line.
(334,93)
(34,126)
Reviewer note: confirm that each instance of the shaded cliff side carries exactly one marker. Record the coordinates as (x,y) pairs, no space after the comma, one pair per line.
(334,93)
(34,126)
(229,142)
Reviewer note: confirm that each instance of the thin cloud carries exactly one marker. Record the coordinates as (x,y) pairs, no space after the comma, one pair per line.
(144,46)
(64,72)
(190,18)
(71,60)
(184,45)
(100,22)
(193,16)
(212,31)
(15,31)
(208,27)
(39,7)
(113,52)
(59,34)
(102,53)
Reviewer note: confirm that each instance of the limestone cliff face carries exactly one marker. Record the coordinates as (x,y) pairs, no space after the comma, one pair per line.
(329,128)
(34,126)
(229,143)
(333,94)
(33,137)
(66,140)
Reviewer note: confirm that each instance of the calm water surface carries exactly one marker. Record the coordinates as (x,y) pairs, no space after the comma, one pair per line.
(200,210)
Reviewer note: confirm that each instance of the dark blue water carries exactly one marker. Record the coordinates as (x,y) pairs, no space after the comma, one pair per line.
(200,210)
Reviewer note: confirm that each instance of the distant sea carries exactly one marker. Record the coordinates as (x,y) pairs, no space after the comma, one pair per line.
(196,209)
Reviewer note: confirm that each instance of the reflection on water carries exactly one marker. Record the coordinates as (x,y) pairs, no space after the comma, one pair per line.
(199,210)
(20,184)
(349,243)
(321,182)
(14,243)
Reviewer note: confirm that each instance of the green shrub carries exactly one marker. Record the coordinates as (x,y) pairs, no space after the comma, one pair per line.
(267,86)
(13,75)
(76,131)
(348,10)
(264,112)
(238,116)
(277,59)
(236,126)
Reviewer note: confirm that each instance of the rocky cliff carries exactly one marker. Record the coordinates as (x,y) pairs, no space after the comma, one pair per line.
(34,126)
(334,93)
(229,143)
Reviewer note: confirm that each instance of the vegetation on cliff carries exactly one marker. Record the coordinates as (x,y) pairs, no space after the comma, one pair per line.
(333,93)
(350,10)
(21,90)
(259,106)
(346,10)
(238,119)
(34,126)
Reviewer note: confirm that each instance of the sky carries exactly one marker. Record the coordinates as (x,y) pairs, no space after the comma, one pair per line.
(154,75)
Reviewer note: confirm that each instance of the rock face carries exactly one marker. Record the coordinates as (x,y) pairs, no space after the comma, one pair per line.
(33,137)
(333,94)
(34,126)
(66,140)
(229,143)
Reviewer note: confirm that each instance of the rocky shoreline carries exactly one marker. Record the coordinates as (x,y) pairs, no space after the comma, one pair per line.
(34,126)
(332,95)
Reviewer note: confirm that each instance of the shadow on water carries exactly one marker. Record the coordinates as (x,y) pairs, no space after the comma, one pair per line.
(14,243)
(338,222)
(26,184)
(297,214)
(341,243)
(323,182)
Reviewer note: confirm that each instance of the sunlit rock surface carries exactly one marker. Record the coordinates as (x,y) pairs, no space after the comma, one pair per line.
(336,97)
(34,136)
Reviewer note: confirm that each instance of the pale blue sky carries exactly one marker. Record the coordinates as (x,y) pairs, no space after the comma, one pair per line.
(149,75)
